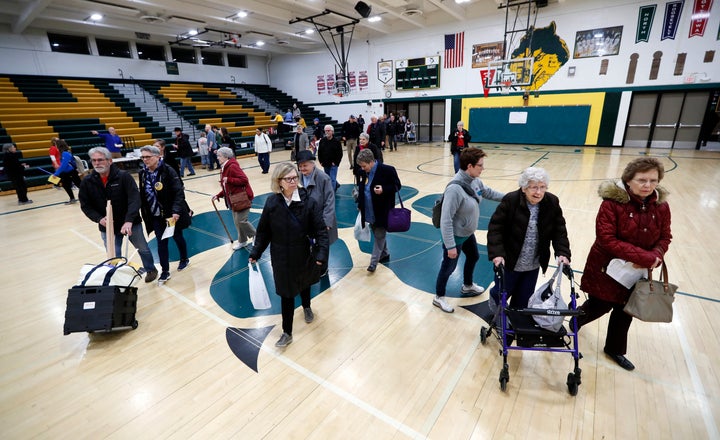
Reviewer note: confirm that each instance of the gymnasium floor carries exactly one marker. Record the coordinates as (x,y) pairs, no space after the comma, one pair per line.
(380,361)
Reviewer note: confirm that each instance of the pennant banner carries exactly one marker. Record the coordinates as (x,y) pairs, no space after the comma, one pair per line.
(672,19)
(645,21)
(699,17)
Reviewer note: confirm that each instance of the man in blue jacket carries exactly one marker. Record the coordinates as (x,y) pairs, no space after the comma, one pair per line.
(112,141)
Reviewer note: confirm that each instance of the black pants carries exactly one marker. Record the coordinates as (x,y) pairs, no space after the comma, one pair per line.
(20,187)
(618,326)
(288,309)
(67,179)
(159,226)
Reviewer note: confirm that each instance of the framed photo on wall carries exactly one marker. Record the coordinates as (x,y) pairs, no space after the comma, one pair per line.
(482,54)
(598,42)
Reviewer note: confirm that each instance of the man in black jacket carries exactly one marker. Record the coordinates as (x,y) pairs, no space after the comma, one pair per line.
(108,182)
(377,133)
(184,151)
(330,154)
(351,133)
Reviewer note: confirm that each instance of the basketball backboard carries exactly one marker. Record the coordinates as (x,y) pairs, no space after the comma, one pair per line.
(509,73)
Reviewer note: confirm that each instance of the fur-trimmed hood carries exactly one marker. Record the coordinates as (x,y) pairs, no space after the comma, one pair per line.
(615,190)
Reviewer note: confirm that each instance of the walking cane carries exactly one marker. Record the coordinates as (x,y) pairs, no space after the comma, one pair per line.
(221,221)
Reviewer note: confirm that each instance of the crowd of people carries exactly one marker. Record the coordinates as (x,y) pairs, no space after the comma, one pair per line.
(298,222)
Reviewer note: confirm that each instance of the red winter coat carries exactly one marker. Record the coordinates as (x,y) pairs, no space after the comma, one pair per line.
(629,229)
(237,181)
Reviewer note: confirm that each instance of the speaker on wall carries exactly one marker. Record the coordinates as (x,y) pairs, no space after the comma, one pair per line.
(363,9)
(541,3)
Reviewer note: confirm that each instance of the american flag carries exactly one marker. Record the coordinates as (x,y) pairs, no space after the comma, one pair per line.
(454,50)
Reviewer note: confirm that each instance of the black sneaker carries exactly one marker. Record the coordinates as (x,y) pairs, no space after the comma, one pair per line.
(183,264)
(163,278)
(309,315)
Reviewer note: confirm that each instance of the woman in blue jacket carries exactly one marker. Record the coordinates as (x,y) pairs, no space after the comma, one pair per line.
(67,171)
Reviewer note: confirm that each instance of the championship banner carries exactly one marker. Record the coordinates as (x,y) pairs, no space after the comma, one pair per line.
(699,17)
(672,19)
(330,83)
(645,21)
(321,84)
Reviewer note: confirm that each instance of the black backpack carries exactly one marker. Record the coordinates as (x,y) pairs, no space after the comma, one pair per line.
(437,207)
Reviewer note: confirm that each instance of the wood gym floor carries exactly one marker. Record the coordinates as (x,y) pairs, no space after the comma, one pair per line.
(379,362)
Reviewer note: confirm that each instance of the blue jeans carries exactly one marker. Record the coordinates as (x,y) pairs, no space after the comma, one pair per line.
(264,161)
(137,238)
(163,253)
(448,265)
(456,161)
(186,162)
(332,172)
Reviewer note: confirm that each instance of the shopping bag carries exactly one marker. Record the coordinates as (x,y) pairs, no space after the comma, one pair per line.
(361,231)
(258,291)
(652,300)
(548,298)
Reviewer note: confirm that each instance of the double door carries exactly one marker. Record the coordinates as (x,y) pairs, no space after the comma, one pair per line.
(666,119)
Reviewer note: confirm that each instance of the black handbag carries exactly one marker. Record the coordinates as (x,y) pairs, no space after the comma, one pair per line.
(651,300)
(398,218)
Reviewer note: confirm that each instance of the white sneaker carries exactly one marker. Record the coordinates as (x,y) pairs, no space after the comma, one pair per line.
(439,301)
(237,245)
(471,290)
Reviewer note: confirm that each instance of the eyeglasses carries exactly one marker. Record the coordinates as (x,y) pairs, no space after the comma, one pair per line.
(643,182)
(146,157)
(536,188)
(290,179)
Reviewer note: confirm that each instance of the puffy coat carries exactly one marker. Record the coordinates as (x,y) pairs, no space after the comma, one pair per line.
(121,190)
(237,181)
(627,228)
(506,232)
(286,230)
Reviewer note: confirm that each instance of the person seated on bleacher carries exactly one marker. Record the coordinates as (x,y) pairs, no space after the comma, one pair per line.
(112,141)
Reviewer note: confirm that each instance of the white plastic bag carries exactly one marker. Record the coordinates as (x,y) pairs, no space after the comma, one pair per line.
(258,292)
(547,298)
(361,233)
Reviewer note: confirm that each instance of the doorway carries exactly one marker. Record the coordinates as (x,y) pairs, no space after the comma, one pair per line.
(670,119)
(429,119)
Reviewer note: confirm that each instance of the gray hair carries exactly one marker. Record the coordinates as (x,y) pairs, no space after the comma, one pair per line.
(365,136)
(152,149)
(226,152)
(533,174)
(329,127)
(7,147)
(365,156)
(101,150)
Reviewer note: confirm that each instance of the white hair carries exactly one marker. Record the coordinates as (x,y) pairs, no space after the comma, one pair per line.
(533,174)
(329,127)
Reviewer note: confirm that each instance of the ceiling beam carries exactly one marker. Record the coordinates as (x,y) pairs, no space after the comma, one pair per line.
(27,16)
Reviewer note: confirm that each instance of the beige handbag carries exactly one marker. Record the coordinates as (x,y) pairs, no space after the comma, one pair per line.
(651,300)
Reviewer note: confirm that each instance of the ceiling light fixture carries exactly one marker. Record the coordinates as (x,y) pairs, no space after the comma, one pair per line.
(309,31)
(242,14)
(462,1)
(260,43)
(374,19)
(193,32)
(96,17)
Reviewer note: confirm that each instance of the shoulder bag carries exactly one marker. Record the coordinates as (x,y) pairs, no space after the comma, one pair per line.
(651,300)
(398,218)
(239,201)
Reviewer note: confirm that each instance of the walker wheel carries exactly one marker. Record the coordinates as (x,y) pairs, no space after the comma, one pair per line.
(572,384)
(135,325)
(483,335)
(503,383)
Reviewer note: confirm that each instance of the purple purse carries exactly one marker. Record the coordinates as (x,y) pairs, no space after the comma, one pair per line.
(398,218)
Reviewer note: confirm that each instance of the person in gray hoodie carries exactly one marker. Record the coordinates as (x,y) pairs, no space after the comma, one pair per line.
(458,222)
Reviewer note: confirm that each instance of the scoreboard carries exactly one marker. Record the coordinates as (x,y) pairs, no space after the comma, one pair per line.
(417,73)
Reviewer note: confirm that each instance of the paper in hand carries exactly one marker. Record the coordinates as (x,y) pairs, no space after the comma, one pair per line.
(169,229)
(624,273)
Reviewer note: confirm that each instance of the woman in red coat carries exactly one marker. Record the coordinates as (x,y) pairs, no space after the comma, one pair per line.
(633,224)
(233,180)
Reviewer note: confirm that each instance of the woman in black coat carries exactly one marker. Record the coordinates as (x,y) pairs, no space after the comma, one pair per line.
(288,223)
(520,233)
(15,171)
(162,198)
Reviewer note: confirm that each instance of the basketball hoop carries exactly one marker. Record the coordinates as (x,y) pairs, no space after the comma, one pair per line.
(505,89)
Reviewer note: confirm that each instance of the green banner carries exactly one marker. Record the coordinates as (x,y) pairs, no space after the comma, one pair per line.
(645,21)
